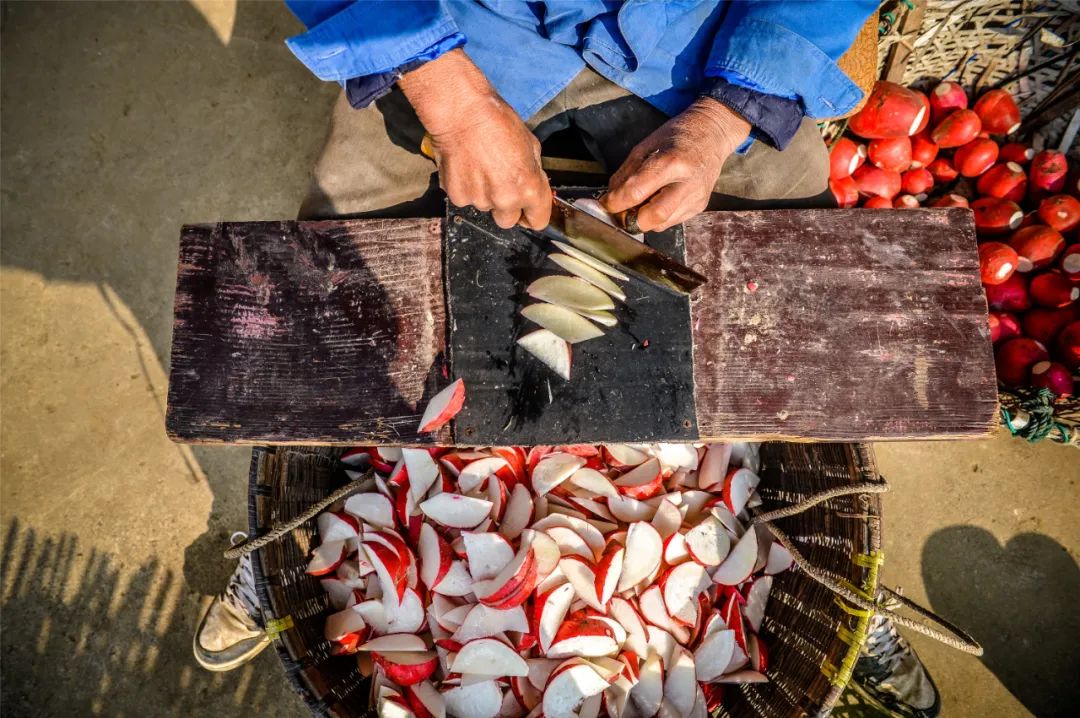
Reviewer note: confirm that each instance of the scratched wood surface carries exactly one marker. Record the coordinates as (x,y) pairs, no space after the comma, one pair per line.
(307,332)
(840,325)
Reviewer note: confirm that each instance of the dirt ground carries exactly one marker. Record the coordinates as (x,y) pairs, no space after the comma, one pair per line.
(122,121)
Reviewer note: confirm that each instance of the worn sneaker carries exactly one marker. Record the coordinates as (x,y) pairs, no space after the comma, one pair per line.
(890,672)
(229,634)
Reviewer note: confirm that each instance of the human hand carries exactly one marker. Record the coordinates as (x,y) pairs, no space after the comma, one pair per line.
(670,174)
(486,155)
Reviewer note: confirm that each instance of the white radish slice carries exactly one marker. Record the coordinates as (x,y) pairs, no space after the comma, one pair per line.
(700,709)
(518,513)
(644,549)
(406,616)
(456,511)
(436,556)
(606,319)
(733,526)
(617,696)
(636,635)
(623,455)
(443,406)
(590,531)
(714,466)
(663,644)
(675,550)
(648,692)
(780,559)
(489,657)
(739,564)
(338,527)
(338,593)
(374,614)
(552,350)
(681,587)
(590,707)
(457,581)
(567,690)
(476,700)
(593,207)
(540,670)
(591,261)
(340,624)
(477,472)
(744,676)
(326,557)
(553,606)
(708,542)
(608,571)
(675,456)
(570,292)
(667,518)
(593,276)
(554,469)
(628,510)
(583,579)
(713,655)
(545,549)
(593,481)
(583,638)
(564,323)
(374,509)
(655,611)
(396,642)
(680,686)
(429,697)
(570,542)
(747,454)
(486,553)
(642,481)
(394,707)
(423,472)
(738,485)
(757,598)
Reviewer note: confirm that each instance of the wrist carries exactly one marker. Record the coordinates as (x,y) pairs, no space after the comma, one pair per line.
(728,126)
(447,91)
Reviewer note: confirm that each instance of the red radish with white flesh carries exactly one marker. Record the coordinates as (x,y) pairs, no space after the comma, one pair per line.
(739,564)
(337,591)
(608,571)
(551,609)
(942,170)
(404,616)
(757,599)
(714,467)
(892,153)
(423,472)
(1048,172)
(905,201)
(487,554)
(374,509)
(995,216)
(593,276)
(1006,180)
(582,578)
(593,481)
(570,292)
(667,519)
(997,262)
(956,129)
(435,556)
(475,473)
(709,542)
(845,157)
(443,407)
(780,559)
(681,586)
(644,549)
(744,676)
(425,700)
(1014,360)
(947,97)
(570,542)
(643,481)
(591,261)
(875,182)
(676,550)
(395,643)
(923,150)
(975,157)
(489,657)
(334,526)
(739,484)
(475,700)
(714,654)
(340,624)
(950,200)
(518,514)
(1061,212)
(456,511)
(1016,152)
(916,181)
(1037,246)
(568,688)
(406,668)
(998,112)
(564,323)
(680,684)
(622,456)
(1053,290)
(648,693)
(1010,296)
(513,583)
(1070,263)
(589,532)
(891,111)
(326,557)
(1053,376)
(554,469)
(552,350)
(484,621)
(583,637)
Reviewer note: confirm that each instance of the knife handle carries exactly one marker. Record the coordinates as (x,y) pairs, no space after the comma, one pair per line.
(627,219)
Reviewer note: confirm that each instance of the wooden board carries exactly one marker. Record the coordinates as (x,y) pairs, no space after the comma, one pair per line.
(841,324)
(863,324)
(307,332)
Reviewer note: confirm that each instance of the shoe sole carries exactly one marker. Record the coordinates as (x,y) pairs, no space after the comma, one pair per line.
(232,657)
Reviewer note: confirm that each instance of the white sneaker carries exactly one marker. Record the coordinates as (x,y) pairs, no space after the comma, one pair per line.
(229,634)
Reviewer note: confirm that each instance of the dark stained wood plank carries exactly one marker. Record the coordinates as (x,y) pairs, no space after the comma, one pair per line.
(840,325)
(307,332)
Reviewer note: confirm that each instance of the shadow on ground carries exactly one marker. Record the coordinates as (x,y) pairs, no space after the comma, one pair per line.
(1020,601)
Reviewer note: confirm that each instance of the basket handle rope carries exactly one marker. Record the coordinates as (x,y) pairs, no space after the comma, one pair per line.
(944,632)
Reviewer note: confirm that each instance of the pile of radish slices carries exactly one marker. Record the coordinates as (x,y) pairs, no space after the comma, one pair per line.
(618,580)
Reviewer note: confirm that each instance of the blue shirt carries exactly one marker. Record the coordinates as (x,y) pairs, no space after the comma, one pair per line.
(666,52)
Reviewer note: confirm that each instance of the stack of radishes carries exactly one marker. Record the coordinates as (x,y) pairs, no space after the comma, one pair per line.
(619,580)
(936,151)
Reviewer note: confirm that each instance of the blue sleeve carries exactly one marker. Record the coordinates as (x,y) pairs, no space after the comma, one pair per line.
(349,40)
(772,119)
(789,49)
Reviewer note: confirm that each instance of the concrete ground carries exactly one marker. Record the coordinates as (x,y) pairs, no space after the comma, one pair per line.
(122,121)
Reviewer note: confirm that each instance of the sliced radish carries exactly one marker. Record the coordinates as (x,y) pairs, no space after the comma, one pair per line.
(397,642)
(745,676)
(583,637)
(570,292)
(655,611)
(591,261)
(435,556)
(371,508)
(675,550)
(681,586)
(513,584)
(404,616)
(738,485)
(739,564)
(551,609)
(594,482)
(680,685)
(667,518)
(551,349)
(326,557)
(334,526)
(456,582)
(422,470)
(590,532)
(780,559)
(340,624)
(583,579)
(426,701)
(443,407)
(588,273)
(642,482)
(337,591)
(570,542)
(608,571)
(714,467)
(629,510)
(676,456)
(714,654)
(554,469)
(567,690)
(757,598)
(456,511)
(475,700)
(628,617)
(477,472)
(564,323)
(487,554)
(648,692)
(708,542)
(408,667)
(489,657)
(644,549)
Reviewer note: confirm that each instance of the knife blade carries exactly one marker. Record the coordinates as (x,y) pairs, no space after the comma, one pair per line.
(614,246)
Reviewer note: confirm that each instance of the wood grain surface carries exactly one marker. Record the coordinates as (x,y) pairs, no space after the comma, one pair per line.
(307,332)
(840,325)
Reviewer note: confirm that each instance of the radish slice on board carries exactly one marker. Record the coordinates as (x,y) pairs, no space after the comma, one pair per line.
(551,349)
(570,292)
(591,261)
(593,276)
(443,406)
(564,323)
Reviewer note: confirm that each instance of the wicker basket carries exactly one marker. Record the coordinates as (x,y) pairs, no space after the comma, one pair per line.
(813,638)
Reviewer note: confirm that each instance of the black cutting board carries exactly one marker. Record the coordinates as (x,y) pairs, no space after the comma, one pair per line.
(635,383)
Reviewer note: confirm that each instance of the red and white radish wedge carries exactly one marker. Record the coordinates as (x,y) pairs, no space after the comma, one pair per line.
(475,700)
(590,707)
(644,549)
(570,542)
(397,642)
(554,469)
(489,657)
(583,637)
(617,696)
(648,692)
(371,508)
(552,350)
(680,685)
(338,526)
(622,456)
(487,554)
(337,592)
(745,676)
(340,624)
(394,707)
(738,485)
(407,668)
(477,472)
(443,407)
(513,584)
(567,690)
(456,582)
(564,323)
(780,559)
(583,579)
(709,542)
(675,550)
(733,525)
(757,598)
(518,513)
(435,556)
(629,510)
(681,586)
(326,557)
(422,470)
(713,655)
(404,616)
(663,643)
(425,700)
(591,261)
(570,292)
(757,653)
(590,531)
(455,510)
(655,611)
(739,564)
(608,571)
(676,456)
(714,467)
(551,609)
(594,482)
(667,518)
(545,550)
(627,616)
(643,481)
(591,275)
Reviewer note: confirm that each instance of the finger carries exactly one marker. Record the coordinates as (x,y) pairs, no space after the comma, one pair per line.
(672,204)
(506,218)
(537,209)
(626,170)
(654,173)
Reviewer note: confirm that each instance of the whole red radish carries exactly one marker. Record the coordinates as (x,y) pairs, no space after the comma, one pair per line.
(876,182)
(846,155)
(1061,212)
(997,262)
(845,190)
(1053,290)
(891,111)
(942,170)
(1003,326)
(996,216)
(974,158)
(956,130)
(1068,345)
(1016,152)
(906,201)
(1037,246)
(1070,262)
(1014,359)
(1047,174)
(891,153)
(923,150)
(1009,296)
(1006,180)
(947,97)
(917,181)
(878,203)
(998,112)
(950,200)
(1053,376)
(1044,324)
